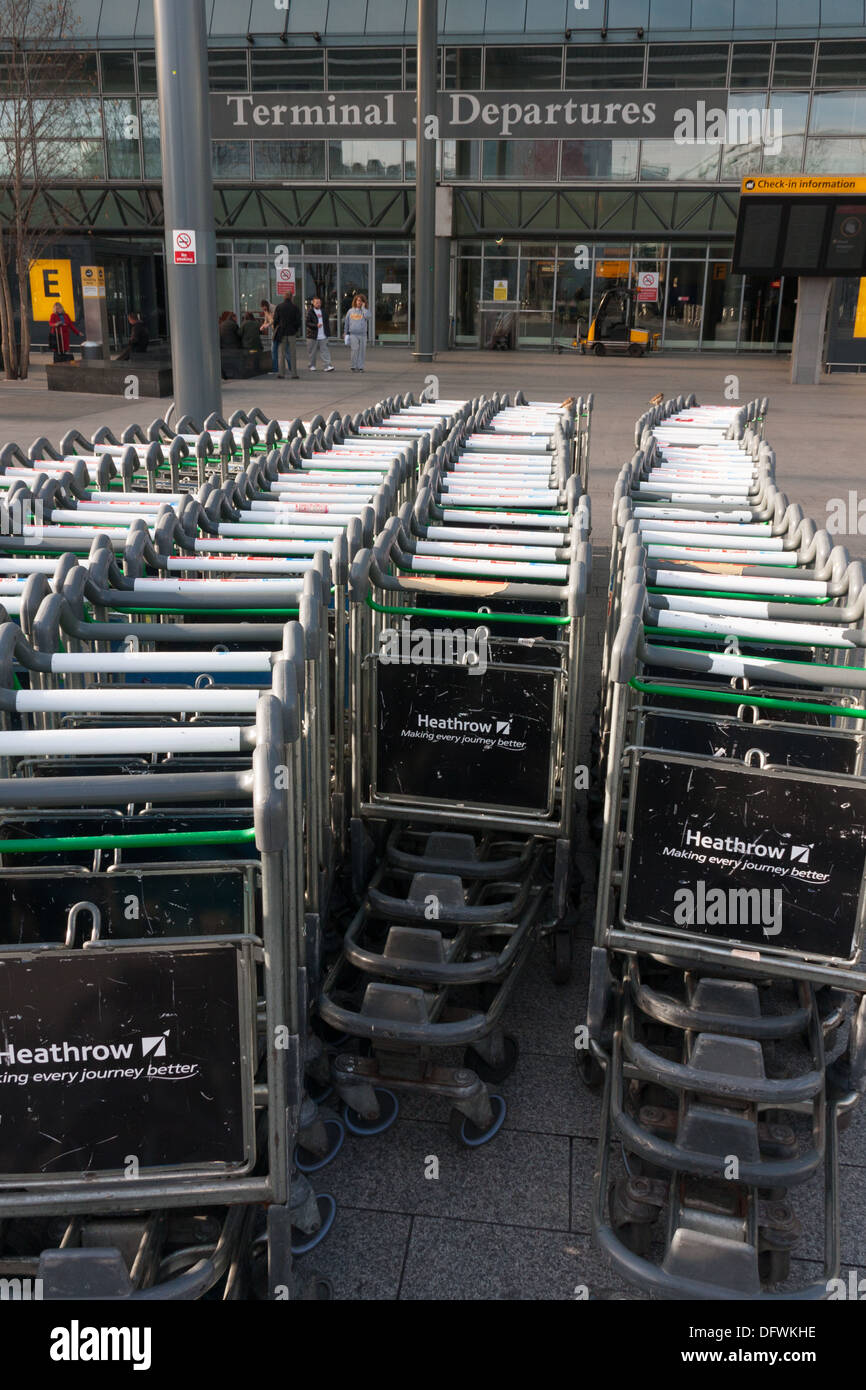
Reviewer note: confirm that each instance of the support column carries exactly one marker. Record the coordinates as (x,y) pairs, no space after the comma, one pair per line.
(807,354)
(184,121)
(425,185)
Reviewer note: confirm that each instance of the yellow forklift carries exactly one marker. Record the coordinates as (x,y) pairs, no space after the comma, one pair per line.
(613,328)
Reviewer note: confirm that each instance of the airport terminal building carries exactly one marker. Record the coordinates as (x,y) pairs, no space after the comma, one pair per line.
(562,165)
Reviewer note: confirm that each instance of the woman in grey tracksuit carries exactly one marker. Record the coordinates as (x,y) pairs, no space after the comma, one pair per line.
(355,331)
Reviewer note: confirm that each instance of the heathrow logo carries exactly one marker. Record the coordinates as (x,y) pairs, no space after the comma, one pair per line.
(154,1046)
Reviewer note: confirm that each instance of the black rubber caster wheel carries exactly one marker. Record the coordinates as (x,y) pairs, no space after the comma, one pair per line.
(308,1162)
(469,1135)
(562,960)
(389,1108)
(774,1266)
(490,1072)
(301,1242)
(590,1071)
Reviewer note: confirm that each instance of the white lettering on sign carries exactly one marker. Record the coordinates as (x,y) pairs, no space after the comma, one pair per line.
(184,247)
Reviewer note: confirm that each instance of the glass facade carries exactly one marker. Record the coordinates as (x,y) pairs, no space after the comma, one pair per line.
(800,63)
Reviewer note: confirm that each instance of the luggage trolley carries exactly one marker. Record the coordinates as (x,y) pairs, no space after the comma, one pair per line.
(734,721)
(462,778)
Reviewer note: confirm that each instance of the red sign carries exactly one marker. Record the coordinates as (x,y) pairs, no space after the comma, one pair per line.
(286,280)
(184,247)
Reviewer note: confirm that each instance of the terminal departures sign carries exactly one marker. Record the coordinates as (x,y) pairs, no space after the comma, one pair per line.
(663,114)
(804,225)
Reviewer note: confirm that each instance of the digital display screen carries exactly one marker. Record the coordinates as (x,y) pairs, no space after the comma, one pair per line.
(804,236)
(847,249)
(800,235)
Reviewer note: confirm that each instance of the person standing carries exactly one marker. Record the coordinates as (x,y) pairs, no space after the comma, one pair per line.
(268,327)
(139,339)
(60,325)
(287,325)
(355,331)
(318,330)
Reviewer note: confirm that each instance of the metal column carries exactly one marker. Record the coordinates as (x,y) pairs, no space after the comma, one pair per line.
(184,120)
(807,353)
(425,185)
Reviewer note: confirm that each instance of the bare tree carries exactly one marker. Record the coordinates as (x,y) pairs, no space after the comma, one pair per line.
(44,74)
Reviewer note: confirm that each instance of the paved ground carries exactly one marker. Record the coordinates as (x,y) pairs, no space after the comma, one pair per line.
(512,1221)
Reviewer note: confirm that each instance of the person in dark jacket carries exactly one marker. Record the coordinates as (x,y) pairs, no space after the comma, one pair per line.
(287,326)
(251,337)
(230,334)
(318,330)
(139,339)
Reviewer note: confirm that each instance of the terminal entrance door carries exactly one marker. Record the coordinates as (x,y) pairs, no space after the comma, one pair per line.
(336,282)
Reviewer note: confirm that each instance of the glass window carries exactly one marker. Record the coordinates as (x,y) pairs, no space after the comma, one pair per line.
(66,72)
(841,62)
(288,69)
(468,295)
(750,127)
(70,159)
(666,161)
(687,65)
(520,68)
(599,159)
(351,70)
(785,156)
(499,267)
(519,159)
(391,302)
(793,107)
(409,148)
(289,159)
(227,70)
(604,65)
(722,313)
(366,159)
(150,140)
(122,139)
(838,113)
(835,156)
(461,70)
(118,71)
(68,119)
(230,159)
(750,65)
(461,159)
(793,64)
(146,72)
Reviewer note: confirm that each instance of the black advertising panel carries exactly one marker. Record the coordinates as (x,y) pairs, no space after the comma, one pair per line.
(803,225)
(447,735)
(726,738)
(704,827)
(121,1062)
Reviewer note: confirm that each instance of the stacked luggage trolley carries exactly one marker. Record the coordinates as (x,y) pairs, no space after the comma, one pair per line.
(172,813)
(466,654)
(726,1014)
(194,777)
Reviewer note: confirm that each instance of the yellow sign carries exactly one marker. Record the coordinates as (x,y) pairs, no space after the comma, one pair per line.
(720,270)
(500,289)
(611,270)
(814,184)
(92,275)
(860,315)
(50,283)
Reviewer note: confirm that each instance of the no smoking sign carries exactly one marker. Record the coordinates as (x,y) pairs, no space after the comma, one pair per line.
(647,286)
(184,247)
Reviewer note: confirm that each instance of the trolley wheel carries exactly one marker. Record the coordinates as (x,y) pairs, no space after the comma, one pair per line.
(319,1091)
(774,1266)
(389,1108)
(500,1070)
(635,350)
(308,1162)
(461,1128)
(589,1069)
(561,957)
(598,349)
(327,1210)
(636,1236)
